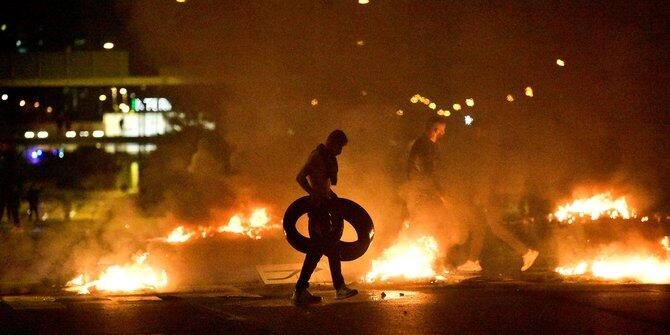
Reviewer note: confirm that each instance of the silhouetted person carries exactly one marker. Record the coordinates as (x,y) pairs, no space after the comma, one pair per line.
(10,188)
(486,187)
(33,197)
(427,208)
(325,226)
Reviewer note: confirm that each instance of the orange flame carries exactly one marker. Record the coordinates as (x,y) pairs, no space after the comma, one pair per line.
(130,277)
(407,260)
(644,268)
(253,227)
(594,207)
(178,235)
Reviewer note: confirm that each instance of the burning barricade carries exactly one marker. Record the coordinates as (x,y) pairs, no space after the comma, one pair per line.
(252,226)
(614,244)
(407,259)
(136,276)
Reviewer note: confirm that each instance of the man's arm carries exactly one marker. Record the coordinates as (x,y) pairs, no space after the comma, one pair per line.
(302,179)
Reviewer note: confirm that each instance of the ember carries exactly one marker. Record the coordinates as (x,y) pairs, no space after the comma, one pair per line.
(130,277)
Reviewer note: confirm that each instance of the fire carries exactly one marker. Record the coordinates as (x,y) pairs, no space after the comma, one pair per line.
(130,277)
(594,207)
(178,235)
(257,222)
(253,227)
(406,259)
(642,267)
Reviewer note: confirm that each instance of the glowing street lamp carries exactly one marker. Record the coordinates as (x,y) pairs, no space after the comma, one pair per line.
(70,134)
(560,62)
(42,134)
(468,120)
(470,102)
(102,97)
(363,2)
(108,45)
(29,134)
(22,103)
(456,107)
(529,91)
(5,97)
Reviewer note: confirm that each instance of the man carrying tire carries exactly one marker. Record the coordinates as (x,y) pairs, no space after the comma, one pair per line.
(325,226)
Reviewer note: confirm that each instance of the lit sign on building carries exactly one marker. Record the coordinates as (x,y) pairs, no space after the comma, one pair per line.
(150,105)
(135,124)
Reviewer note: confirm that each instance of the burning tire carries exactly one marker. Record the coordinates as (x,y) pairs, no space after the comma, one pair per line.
(349,210)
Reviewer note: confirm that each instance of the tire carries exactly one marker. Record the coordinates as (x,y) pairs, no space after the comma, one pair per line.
(349,210)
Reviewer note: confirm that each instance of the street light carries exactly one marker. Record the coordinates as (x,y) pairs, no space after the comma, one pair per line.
(102,97)
(29,134)
(108,45)
(5,97)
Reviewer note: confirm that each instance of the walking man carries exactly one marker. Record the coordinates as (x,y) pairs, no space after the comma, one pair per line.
(325,226)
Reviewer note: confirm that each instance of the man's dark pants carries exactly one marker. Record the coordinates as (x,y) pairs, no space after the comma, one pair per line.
(325,230)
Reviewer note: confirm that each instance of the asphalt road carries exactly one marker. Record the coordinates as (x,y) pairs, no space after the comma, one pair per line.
(500,308)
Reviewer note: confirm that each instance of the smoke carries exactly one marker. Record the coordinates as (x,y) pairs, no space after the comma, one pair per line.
(595,123)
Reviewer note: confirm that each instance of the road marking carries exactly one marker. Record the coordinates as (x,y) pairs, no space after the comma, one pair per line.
(22,302)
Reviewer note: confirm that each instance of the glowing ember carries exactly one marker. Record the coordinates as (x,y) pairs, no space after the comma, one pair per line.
(406,260)
(594,207)
(122,278)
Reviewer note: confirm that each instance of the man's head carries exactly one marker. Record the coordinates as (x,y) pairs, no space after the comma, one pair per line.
(335,141)
(435,127)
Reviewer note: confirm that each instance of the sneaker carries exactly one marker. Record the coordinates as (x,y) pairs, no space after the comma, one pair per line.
(470,266)
(529,258)
(344,292)
(303,297)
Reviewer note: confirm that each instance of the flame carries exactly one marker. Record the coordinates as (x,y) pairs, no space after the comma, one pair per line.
(257,222)
(178,235)
(130,277)
(406,259)
(594,207)
(644,268)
